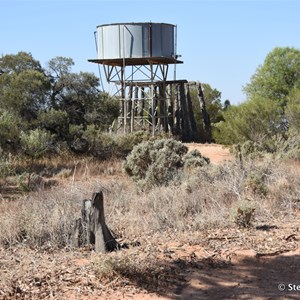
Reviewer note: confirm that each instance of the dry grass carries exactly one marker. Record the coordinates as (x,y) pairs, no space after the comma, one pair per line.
(35,229)
(205,198)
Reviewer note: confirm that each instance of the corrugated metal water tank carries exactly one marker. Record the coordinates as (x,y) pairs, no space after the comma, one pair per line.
(135,40)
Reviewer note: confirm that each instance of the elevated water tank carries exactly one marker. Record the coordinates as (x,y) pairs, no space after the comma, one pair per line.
(135,40)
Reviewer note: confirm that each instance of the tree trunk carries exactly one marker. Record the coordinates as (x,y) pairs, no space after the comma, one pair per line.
(91,227)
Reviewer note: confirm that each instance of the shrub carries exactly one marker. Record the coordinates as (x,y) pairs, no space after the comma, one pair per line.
(293,109)
(156,163)
(100,144)
(243,213)
(255,182)
(194,159)
(287,146)
(125,143)
(9,129)
(256,120)
(281,146)
(36,143)
(6,166)
(104,145)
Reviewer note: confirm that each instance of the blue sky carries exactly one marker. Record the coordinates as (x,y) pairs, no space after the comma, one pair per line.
(221,42)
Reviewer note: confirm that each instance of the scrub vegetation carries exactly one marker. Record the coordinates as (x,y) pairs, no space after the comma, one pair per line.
(56,150)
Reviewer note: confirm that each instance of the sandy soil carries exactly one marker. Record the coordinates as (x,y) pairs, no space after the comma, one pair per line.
(253,263)
(216,153)
(261,262)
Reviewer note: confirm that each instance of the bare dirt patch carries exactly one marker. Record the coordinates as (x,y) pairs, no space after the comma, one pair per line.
(216,153)
(226,263)
(220,262)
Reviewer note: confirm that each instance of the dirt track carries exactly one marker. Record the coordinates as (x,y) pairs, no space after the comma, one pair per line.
(215,264)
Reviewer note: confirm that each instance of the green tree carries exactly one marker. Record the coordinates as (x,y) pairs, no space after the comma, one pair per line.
(78,94)
(54,121)
(102,111)
(17,63)
(52,99)
(9,130)
(254,120)
(213,103)
(293,110)
(23,86)
(277,76)
(23,94)
(23,89)
(272,105)
(226,104)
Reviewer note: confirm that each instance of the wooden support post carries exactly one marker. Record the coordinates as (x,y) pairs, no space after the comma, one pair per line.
(142,108)
(190,109)
(123,100)
(133,108)
(170,108)
(153,109)
(129,108)
(177,108)
(186,130)
(136,99)
(205,115)
(156,108)
(162,104)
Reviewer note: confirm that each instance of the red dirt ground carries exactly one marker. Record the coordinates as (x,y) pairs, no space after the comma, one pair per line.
(252,263)
(216,153)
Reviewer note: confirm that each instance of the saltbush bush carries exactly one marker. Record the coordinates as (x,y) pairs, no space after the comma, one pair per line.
(159,162)
(194,159)
(280,146)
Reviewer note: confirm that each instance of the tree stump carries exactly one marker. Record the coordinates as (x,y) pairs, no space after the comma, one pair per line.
(91,228)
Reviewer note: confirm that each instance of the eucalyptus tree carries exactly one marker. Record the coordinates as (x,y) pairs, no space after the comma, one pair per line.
(277,76)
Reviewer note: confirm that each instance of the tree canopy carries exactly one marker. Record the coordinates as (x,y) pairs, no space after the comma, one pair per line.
(273,105)
(51,99)
(277,76)
(255,120)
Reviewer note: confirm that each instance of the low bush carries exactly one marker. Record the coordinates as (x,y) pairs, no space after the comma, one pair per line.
(194,159)
(6,165)
(255,182)
(243,213)
(279,146)
(36,143)
(103,145)
(160,162)
(209,197)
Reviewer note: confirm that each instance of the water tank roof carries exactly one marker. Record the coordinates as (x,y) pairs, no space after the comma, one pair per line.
(135,23)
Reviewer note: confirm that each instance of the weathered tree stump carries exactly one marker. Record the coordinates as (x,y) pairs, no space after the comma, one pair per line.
(91,228)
